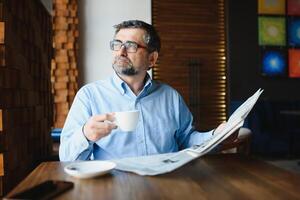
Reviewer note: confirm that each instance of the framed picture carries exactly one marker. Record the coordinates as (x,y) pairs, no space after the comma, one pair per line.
(294,31)
(293,7)
(273,62)
(271,31)
(271,7)
(294,63)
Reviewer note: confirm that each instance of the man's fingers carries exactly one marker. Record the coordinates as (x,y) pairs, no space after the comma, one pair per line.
(96,130)
(220,127)
(110,117)
(103,117)
(108,126)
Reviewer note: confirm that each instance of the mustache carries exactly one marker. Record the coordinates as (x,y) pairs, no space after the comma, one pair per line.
(121,58)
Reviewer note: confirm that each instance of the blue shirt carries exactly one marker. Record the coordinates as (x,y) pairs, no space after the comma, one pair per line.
(165,122)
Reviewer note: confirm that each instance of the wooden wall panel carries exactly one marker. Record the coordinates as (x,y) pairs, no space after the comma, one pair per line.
(1,122)
(1,165)
(2,32)
(64,71)
(193,55)
(26,104)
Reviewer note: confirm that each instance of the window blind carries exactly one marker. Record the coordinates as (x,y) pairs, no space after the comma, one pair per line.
(193,55)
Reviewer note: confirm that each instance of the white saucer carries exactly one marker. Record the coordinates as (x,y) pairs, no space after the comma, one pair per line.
(89,169)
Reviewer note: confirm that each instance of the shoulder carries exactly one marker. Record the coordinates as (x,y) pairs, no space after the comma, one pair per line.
(92,87)
(88,87)
(166,89)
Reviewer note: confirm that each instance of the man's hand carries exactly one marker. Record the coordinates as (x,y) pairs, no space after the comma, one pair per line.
(99,126)
(231,138)
(220,128)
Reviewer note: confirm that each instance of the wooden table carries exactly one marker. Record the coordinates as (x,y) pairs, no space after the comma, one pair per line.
(223,176)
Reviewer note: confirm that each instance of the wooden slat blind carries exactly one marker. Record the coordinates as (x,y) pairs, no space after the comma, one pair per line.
(26,107)
(193,55)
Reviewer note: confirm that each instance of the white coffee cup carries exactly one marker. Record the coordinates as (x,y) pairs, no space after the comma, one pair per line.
(127,120)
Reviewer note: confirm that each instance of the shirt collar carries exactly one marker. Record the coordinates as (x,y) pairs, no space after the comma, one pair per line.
(148,82)
(121,85)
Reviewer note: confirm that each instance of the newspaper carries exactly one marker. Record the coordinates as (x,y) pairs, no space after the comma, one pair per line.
(163,163)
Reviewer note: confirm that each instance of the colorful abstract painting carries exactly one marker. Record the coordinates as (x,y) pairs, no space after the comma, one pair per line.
(294,63)
(273,62)
(271,7)
(271,31)
(293,7)
(294,31)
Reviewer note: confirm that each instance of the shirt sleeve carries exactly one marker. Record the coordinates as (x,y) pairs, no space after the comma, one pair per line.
(73,144)
(186,135)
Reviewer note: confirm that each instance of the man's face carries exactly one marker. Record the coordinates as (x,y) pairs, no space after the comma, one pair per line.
(126,63)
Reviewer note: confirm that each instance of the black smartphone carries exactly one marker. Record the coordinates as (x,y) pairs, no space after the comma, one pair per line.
(44,190)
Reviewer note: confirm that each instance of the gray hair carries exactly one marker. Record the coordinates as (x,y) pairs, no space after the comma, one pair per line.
(151,38)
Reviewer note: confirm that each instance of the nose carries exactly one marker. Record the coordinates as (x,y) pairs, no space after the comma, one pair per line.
(122,51)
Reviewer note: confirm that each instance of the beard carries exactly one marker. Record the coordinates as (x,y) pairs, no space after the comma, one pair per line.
(123,66)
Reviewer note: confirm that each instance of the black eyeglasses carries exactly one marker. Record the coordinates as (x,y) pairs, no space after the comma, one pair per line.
(130,46)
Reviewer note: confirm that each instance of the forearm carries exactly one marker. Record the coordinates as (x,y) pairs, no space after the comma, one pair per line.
(74,146)
(197,138)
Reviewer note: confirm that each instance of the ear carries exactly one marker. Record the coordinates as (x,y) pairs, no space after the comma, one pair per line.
(152,59)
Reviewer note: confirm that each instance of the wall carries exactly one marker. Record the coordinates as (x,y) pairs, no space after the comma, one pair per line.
(272,133)
(243,54)
(97,18)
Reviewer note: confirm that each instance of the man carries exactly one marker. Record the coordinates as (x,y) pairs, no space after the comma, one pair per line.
(165,122)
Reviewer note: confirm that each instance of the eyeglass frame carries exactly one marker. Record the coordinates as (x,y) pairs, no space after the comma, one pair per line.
(126,47)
